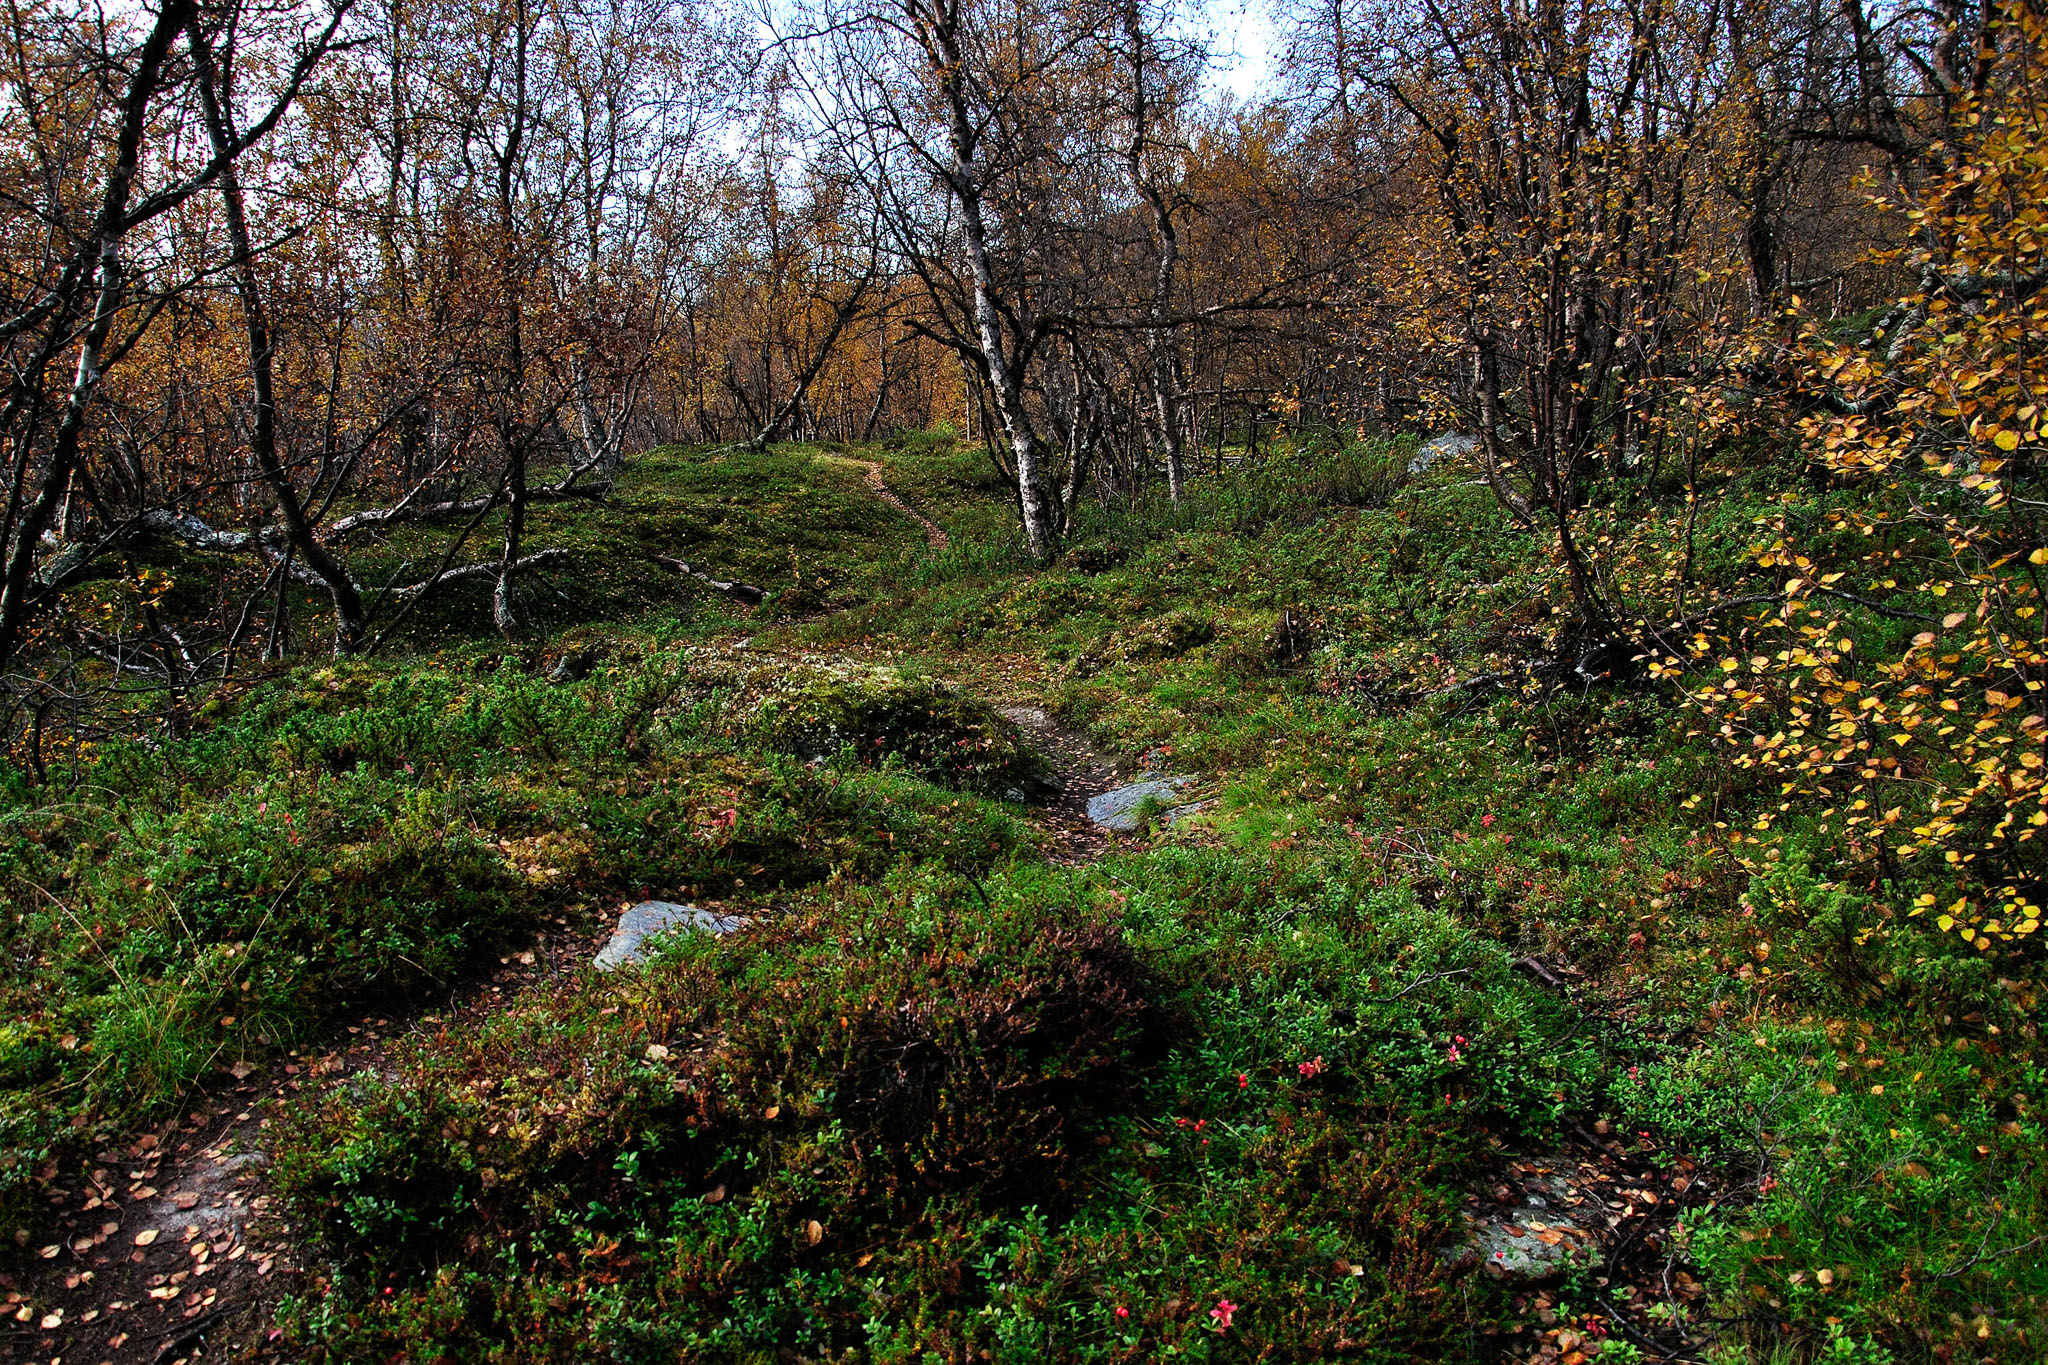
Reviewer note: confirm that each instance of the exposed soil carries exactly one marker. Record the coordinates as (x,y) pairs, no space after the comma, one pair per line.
(934,534)
(1081,772)
(1608,1200)
(171,1251)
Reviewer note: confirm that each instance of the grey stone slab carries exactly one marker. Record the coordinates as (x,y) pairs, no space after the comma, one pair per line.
(628,946)
(1117,810)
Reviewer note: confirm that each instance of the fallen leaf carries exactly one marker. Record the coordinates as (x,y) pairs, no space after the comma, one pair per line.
(241,1071)
(715,1196)
(145,1237)
(814,1232)
(186,1200)
(771,1112)
(52,1321)
(49,1253)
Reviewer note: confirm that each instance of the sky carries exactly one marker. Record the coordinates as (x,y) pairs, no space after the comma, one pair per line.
(1244,45)
(1245,52)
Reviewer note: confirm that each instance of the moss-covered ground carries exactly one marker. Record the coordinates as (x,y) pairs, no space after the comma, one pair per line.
(1225,1094)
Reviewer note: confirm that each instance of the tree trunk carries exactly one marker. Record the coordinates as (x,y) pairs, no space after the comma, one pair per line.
(98,278)
(341,588)
(1007,384)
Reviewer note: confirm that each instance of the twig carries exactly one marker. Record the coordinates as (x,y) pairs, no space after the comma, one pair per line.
(1896,613)
(1983,1256)
(739,592)
(531,561)
(1420,982)
(189,1332)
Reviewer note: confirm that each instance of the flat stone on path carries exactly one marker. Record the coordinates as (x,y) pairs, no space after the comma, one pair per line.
(1118,810)
(643,921)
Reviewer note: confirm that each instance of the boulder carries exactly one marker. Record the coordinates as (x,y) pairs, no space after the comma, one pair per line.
(628,946)
(1118,810)
(1447,445)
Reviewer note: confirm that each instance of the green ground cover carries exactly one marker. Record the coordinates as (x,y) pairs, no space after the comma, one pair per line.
(1219,1095)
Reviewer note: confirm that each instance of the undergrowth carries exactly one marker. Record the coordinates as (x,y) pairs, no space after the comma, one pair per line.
(1221,1095)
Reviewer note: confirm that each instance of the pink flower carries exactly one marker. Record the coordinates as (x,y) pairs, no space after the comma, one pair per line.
(1453,1054)
(1631,1073)
(1310,1070)
(1486,821)
(1221,1312)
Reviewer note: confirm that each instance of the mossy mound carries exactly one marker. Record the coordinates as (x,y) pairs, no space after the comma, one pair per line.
(733,1133)
(819,709)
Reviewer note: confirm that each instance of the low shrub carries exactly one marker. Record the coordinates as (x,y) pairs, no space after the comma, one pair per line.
(825,1075)
(351,837)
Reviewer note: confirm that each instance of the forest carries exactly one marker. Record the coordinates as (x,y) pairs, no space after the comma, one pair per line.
(917,681)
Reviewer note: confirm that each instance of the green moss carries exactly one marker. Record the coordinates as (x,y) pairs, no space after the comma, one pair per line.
(1012,1098)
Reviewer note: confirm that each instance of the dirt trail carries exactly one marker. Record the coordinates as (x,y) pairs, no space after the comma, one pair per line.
(171,1251)
(1081,772)
(934,534)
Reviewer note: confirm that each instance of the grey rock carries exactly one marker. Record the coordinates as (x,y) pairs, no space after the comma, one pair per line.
(1528,1242)
(1527,1257)
(1445,445)
(573,667)
(1117,810)
(628,946)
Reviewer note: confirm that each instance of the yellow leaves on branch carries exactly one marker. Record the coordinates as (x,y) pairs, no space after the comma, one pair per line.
(1933,757)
